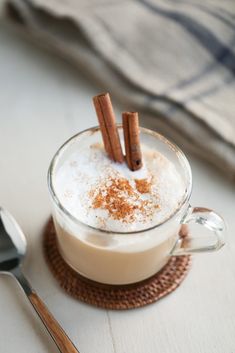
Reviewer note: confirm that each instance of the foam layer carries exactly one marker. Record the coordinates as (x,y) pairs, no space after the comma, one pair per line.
(109,196)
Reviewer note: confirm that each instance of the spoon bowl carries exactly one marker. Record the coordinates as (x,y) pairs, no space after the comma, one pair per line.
(13,247)
(13,244)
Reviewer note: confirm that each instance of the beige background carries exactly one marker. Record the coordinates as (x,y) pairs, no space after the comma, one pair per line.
(43,101)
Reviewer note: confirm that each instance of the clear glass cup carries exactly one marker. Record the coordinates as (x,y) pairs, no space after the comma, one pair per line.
(123,258)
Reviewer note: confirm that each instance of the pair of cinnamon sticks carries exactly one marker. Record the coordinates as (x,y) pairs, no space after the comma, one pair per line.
(112,145)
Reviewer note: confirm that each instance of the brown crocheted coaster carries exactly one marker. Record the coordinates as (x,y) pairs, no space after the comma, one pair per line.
(110,296)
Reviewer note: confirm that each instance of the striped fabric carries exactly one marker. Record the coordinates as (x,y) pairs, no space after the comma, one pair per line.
(173,60)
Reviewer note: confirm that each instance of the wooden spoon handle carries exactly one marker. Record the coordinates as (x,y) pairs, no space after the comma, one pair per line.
(55,330)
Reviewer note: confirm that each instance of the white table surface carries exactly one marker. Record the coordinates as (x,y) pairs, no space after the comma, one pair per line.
(43,101)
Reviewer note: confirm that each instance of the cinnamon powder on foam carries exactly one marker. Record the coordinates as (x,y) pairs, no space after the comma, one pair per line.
(122,201)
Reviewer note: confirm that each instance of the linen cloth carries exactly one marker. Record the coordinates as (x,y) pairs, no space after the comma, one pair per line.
(172,60)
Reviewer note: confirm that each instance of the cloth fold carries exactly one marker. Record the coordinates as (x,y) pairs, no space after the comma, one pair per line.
(174,61)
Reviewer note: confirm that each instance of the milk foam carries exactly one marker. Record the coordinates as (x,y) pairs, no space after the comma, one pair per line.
(83,173)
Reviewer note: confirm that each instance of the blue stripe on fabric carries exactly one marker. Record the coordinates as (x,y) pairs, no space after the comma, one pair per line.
(223,57)
(210,11)
(202,34)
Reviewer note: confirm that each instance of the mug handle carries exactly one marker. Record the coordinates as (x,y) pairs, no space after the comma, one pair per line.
(207,218)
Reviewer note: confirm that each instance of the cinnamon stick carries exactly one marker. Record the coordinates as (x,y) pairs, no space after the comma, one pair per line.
(130,123)
(106,117)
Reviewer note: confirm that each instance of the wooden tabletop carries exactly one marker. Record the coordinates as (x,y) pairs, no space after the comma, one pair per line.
(43,101)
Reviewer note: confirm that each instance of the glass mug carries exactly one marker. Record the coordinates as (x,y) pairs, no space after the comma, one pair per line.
(124,258)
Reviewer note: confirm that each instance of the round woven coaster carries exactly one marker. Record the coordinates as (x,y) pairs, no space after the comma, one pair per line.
(110,296)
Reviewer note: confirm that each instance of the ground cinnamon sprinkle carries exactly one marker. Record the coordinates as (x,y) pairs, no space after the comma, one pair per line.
(121,200)
(143,185)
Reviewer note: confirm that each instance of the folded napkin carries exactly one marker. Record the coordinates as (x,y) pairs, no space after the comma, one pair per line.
(172,60)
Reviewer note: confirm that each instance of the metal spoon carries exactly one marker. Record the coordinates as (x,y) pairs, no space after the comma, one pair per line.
(12,252)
